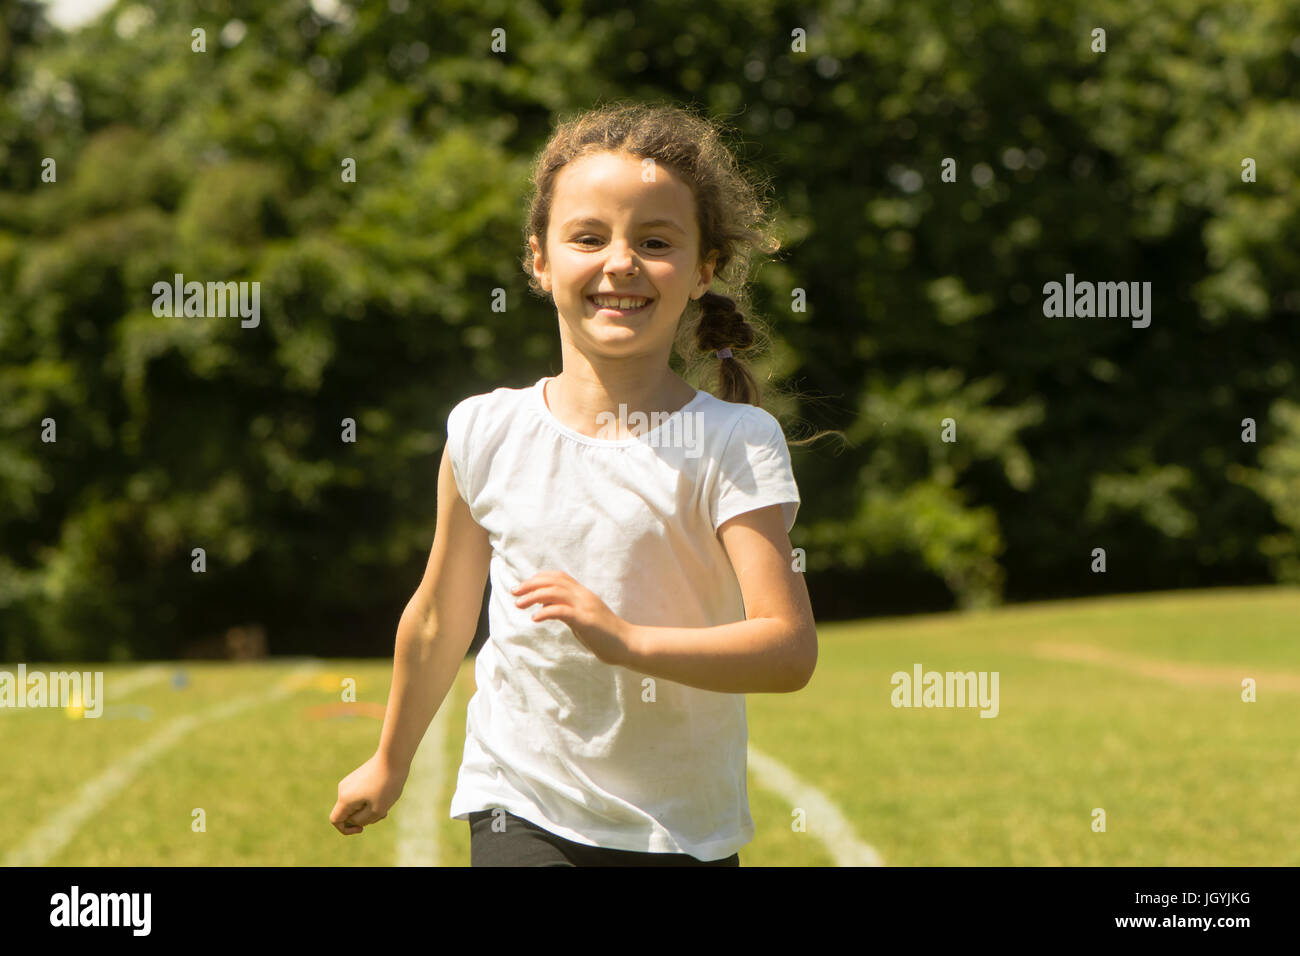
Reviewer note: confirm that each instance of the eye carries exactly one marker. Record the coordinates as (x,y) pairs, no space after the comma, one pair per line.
(663,245)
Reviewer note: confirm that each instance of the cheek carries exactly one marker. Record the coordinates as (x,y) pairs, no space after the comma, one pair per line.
(573,278)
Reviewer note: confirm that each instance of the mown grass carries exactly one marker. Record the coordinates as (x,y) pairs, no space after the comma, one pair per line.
(1187,773)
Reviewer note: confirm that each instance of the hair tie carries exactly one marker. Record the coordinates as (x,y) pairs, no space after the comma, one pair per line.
(724,353)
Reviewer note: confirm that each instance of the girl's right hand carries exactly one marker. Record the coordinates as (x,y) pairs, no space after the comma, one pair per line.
(366,794)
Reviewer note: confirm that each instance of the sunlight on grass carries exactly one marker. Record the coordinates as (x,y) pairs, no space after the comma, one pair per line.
(1186,775)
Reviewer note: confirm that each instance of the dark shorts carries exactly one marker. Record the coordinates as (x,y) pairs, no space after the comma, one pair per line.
(524,843)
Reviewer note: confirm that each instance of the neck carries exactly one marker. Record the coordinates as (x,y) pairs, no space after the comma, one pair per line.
(583,398)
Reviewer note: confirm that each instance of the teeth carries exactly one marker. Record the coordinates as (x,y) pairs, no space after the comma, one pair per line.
(615,302)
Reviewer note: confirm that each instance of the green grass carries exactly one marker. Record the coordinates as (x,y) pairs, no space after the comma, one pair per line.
(1188,774)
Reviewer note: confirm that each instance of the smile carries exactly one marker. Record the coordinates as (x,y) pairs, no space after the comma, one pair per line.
(620,305)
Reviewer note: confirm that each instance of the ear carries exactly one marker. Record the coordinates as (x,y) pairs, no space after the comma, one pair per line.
(539,264)
(706,274)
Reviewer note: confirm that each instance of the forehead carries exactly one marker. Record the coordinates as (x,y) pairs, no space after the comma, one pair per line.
(607,182)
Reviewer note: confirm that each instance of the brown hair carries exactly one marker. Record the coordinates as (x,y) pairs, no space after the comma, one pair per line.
(730,212)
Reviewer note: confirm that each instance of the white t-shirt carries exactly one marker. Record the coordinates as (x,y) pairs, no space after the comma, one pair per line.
(595,753)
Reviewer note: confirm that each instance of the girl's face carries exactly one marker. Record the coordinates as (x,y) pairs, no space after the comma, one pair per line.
(611,233)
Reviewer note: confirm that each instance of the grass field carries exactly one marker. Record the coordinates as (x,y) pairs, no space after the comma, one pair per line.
(1132,705)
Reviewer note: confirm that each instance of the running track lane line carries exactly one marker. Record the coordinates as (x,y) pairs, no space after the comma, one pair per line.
(60,827)
(118,686)
(1185,674)
(418,819)
(824,818)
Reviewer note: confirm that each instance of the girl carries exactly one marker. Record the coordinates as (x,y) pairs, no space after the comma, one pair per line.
(639,560)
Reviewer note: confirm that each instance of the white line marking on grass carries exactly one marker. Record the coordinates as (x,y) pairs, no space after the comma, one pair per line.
(115,687)
(1175,672)
(417,820)
(60,827)
(825,820)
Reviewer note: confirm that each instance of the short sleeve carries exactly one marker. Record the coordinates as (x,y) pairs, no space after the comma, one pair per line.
(755,470)
(457,430)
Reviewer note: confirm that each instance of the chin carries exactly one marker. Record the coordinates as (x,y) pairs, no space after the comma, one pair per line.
(621,344)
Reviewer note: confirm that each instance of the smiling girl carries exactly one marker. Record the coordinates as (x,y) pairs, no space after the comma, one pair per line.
(640,587)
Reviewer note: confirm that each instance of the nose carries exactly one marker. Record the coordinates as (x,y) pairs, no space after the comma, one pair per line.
(620,260)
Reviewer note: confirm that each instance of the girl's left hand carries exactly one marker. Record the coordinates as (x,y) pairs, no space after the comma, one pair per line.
(564,599)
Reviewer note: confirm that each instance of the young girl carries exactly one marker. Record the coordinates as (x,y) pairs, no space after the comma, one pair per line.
(635,531)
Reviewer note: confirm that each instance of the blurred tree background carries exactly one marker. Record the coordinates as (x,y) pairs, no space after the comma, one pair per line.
(924,297)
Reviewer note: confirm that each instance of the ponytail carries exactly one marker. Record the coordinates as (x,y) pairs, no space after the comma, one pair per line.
(723,326)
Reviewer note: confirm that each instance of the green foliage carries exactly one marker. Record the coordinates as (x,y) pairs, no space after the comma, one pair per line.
(1278,482)
(924,297)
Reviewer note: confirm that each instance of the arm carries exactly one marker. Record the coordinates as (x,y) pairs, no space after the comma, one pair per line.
(437,626)
(773,651)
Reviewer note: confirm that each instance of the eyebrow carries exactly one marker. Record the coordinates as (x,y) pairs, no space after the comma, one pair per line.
(593,221)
